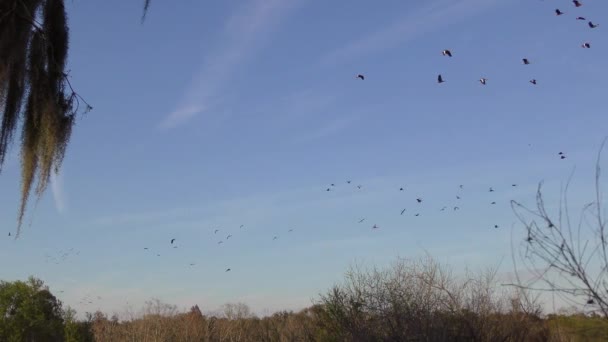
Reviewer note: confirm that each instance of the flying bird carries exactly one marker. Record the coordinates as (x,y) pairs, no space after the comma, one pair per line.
(417,215)
(458,197)
(592,25)
(400,189)
(402,211)
(493,203)
(456,208)
(359,187)
(581,18)
(145,247)
(328,189)
(461,186)
(375,226)
(577,3)
(347,182)
(215,232)
(483,81)
(274,238)
(242,226)
(590,302)
(291,230)
(192,264)
(495,226)
(229,236)
(172,241)
(419,200)
(513,184)
(227,270)
(220,242)
(443,209)
(440,79)
(526,61)
(361,77)
(533,81)
(491,189)
(558,12)
(447,53)
(332,184)
(361,221)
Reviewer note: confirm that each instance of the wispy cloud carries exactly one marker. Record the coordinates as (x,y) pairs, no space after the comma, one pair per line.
(435,16)
(58,191)
(242,36)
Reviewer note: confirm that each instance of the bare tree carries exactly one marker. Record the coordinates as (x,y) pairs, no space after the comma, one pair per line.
(566,257)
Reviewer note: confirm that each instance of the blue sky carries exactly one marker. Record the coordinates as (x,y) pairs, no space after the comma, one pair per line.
(215,115)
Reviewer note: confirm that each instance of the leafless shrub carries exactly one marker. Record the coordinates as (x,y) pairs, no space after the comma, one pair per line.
(567,257)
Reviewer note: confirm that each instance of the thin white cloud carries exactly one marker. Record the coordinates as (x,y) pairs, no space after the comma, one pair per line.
(435,16)
(243,34)
(58,191)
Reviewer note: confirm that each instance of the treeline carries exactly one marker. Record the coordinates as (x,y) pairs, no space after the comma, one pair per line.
(413,300)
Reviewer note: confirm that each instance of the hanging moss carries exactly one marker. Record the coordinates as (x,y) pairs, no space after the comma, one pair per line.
(34,90)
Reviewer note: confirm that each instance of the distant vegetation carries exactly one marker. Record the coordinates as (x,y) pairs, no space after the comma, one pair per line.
(413,300)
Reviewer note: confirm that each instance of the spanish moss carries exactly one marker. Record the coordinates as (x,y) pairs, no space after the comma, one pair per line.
(35,93)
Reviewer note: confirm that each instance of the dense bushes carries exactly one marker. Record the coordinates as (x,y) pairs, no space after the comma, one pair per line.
(413,300)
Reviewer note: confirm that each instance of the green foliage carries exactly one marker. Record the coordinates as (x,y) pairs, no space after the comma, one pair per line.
(29,312)
(579,328)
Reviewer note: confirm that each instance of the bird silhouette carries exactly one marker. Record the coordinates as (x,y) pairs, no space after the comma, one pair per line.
(443,209)
(525,61)
(457,197)
(577,3)
(274,238)
(419,200)
(456,208)
(400,189)
(359,187)
(192,264)
(348,182)
(291,230)
(361,221)
(220,242)
(375,227)
(592,25)
(402,211)
(533,81)
(495,226)
(440,79)
(328,189)
(491,189)
(172,241)
(242,226)
(558,12)
(361,77)
(229,236)
(586,46)
(215,232)
(493,203)
(417,215)
(228,270)
(461,186)
(581,18)
(590,302)
(483,81)
(447,53)
(145,247)
(513,184)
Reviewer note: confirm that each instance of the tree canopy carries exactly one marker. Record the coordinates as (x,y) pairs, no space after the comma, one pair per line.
(29,312)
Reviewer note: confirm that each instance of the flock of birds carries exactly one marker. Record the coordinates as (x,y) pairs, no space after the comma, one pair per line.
(172,242)
(525,61)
